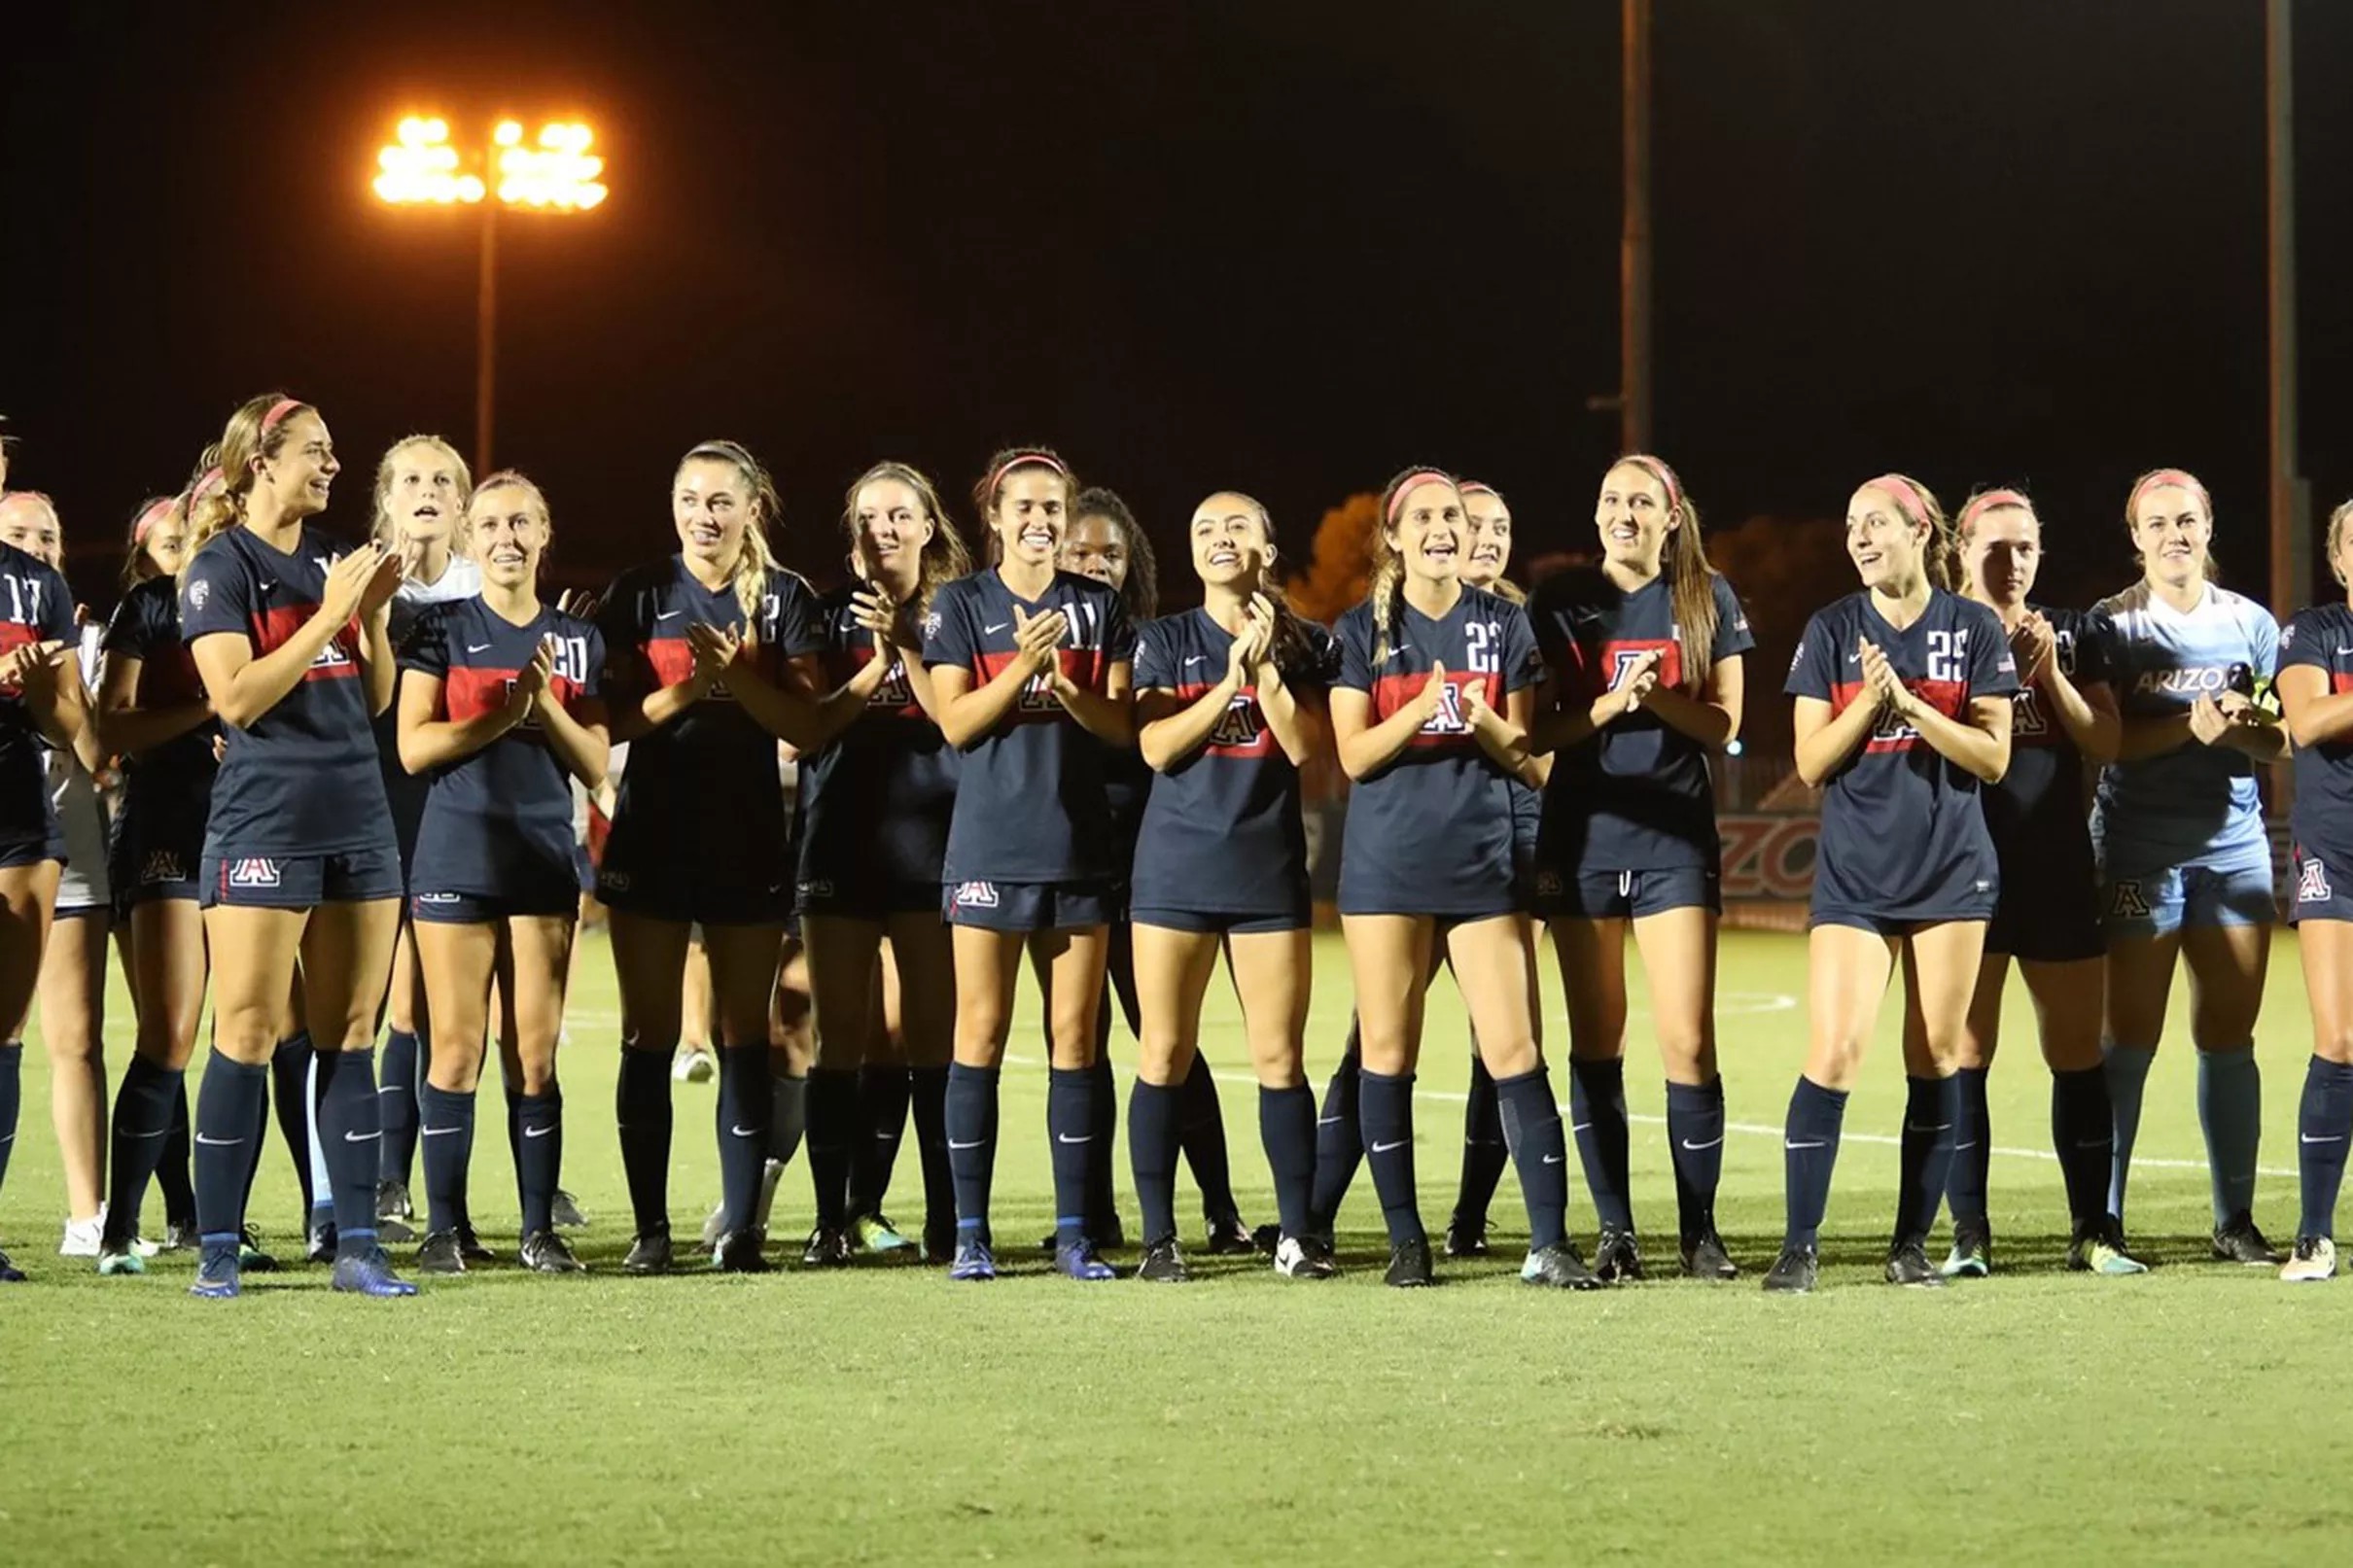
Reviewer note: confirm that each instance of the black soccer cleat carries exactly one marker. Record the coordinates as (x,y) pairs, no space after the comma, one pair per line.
(565,1210)
(253,1257)
(1907,1265)
(1466,1236)
(2237,1241)
(547,1253)
(322,1247)
(1164,1262)
(739,1252)
(649,1254)
(828,1248)
(1616,1257)
(395,1230)
(1972,1255)
(939,1240)
(10,1274)
(1704,1257)
(1409,1264)
(1793,1273)
(1229,1238)
(441,1254)
(393,1203)
(1267,1237)
(470,1243)
(1558,1266)
(1304,1257)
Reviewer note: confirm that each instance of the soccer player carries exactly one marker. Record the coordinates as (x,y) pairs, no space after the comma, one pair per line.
(2315,674)
(708,654)
(422,490)
(1647,672)
(151,715)
(41,699)
(875,802)
(501,710)
(1231,698)
(1030,671)
(2185,863)
(1429,715)
(1902,714)
(2048,917)
(289,634)
(1105,543)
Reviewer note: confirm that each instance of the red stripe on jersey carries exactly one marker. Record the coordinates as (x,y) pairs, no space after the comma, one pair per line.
(470,691)
(2340,681)
(1619,652)
(1241,731)
(1084,666)
(670,658)
(15,635)
(1446,727)
(276,626)
(894,698)
(1891,734)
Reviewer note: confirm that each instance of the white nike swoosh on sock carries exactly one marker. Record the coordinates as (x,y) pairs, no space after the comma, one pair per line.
(219,1143)
(1786,1144)
(538,1131)
(1580,1127)
(975,1144)
(1958,1147)
(1553,1158)
(743,1132)
(363,1137)
(1716,1142)
(1383,1148)
(440,1132)
(2306,1137)
(1065,1137)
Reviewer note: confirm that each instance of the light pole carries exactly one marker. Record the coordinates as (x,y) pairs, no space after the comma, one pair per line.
(554,174)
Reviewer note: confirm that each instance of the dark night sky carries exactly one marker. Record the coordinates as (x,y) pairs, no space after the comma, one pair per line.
(1289,246)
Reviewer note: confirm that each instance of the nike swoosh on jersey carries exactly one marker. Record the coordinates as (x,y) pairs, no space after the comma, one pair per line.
(992,631)
(668,615)
(477,648)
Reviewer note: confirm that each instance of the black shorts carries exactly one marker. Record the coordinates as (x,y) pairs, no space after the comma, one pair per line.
(682,893)
(440,907)
(300,880)
(868,900)
(1607,895)
(2044,920)
(1220,923)
(1029,906)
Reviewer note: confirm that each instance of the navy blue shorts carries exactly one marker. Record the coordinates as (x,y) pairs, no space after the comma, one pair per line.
(682,893)
(300,880)
(2052,918)
(1882,924)
(868,900)
(440,907)
(31,849)
(2318,897)
(1617,895)
(1220,923)
(1029,906)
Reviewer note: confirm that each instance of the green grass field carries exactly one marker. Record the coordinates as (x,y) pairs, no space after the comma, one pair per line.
(883,1415)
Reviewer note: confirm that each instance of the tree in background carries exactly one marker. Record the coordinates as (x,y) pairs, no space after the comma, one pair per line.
(1341,562)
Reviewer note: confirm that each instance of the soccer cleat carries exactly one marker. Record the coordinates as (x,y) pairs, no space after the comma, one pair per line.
(1229,1238)
(1560,1267)
(874,1233)
(1078,1261)
(218,1274)
(469,1244)
(252,1257)
(1163,1263)
(547,1253)
(82,1238)
(565,1210)
(181,1234)
(2314,1261)
(1267,1237)
(739,1252)
(827,1249)
(10,1274)
(1793,1273)
(648,1255)
(694,1066)
(1409,1266)
(939,1240)
(2098,1247)
(1304,1257)
(370,1274)
(771,1173)
(1704,1257)
(2237,1241)
(715,1225)
(393,1203)
(144,1248)
(1114,1238)
(1972,1255)
(974,1261)
(1907,1265)
(441,1254)
(1466,1237)
(114,1260)
(1616,1257)
(322,1245)
(395,1230)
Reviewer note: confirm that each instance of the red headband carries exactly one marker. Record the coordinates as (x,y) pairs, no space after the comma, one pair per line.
(206,483)
(2179,478)
(1660,472)
(1904,493)
(279,411)
(1475,487)
(1986,501)
(149,518)
(1023,460)
(1414,480)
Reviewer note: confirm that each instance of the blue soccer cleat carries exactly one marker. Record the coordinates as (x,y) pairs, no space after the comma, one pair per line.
(974,1261)
(370,1274)
(218,1276)
(1079,1260)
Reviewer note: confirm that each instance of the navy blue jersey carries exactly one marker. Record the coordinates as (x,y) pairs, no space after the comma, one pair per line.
(168,786)
(1127,782)
(2036,814)
(1431,832)
(35,606)
(1902,829)
(874,804)
(2322,818)
(1222,831)
(302,778)
(1636,795)
(704,786)
(1032,804)
(498,822)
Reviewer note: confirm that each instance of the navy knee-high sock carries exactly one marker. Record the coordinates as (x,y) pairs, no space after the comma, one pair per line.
(1694,1136)
(1286,1129)
(834,1127)
(1385,1105)
(142,1127)
(12,1099)
(2083,1134)
(1531,1120)
(1201,1129)
(1484,1150)
(398,1092)
(348,1134)
(172,1170)
(641,1109)
(1071,1122)
(1154,1111)
(445,1132)
(2325,1133)
(1972,1147)
(539,1161)
(1596,1103)
(927,1109)
(1810,1146)
(290,1068)
(1102,1189)
(1925,1162)
(233,1114)
(2231,1109)
(746,1115)
(883,1089)
(788,1113)
(970,1128)
(1338,1139)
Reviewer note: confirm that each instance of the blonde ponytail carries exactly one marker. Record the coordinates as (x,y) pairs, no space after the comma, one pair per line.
(255,431)
(756,559)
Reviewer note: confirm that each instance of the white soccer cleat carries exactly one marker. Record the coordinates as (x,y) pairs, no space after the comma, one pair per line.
(2314,1261)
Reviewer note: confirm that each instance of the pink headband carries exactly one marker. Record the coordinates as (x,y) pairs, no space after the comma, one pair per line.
(1985,501)
(2156,478)
(1906,493)
(149,518)
(209,482)
(1474,487)
(1023,460)
(1414,480)
(1660,472)
(279,411)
